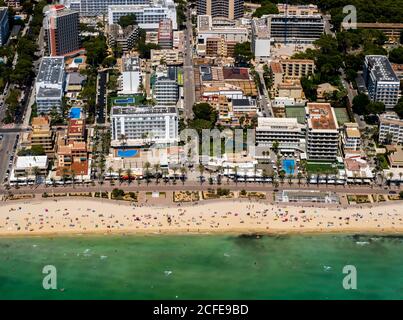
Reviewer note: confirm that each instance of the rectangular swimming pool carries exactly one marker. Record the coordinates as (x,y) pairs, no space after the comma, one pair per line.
(289,166)
(75,113)
(124,101)
(127,153)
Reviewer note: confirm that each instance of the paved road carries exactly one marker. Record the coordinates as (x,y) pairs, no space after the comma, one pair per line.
(265,103)
(6,148)
(188,87)
(193,185)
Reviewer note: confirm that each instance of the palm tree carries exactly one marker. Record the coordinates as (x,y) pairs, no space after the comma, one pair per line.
(129,175)
(157,168)
(36,172)
(165,174)
(299,176)
(110,170)
(290,179)
(400,178)
(282,176)
(183,172)
(175,168)
(381,178)
(147,166)
(120,171)
(201,170)
(390,175)
(73,177)
(64,175)
(53,184)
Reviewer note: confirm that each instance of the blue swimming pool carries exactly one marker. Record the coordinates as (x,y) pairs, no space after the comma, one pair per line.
(78,60)
(289,166)
(75,113)
(127,153)
(123,101)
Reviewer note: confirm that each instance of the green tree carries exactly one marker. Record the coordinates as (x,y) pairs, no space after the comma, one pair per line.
(396,55)
(128,20)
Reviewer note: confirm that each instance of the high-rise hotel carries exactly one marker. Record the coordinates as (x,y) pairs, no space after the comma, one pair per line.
(62,28)
(231,9)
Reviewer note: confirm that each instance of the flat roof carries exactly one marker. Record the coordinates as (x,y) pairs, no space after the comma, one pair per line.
(25,162)
(134,110)
(44,92)
(381,68)
(51,70)
(321,116)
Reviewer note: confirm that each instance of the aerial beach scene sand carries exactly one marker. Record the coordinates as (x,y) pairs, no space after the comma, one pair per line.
(67,216)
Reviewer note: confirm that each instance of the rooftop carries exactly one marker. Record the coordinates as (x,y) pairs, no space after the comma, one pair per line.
(40,121)
(138,110)
(276,67)
(26,162)
(352,130)
(44,92)
(381,68)
(321,116)
(51,70)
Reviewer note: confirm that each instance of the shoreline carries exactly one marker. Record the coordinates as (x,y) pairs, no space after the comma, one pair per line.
(73,217)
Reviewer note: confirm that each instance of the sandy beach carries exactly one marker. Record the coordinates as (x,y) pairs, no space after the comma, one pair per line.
(71,216)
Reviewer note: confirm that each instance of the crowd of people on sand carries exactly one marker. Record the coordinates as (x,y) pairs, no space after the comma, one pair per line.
(91,216)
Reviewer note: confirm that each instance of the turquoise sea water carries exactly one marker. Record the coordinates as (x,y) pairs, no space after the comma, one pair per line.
(202,267)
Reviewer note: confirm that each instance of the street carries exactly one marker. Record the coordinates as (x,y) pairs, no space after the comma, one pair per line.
(189,88)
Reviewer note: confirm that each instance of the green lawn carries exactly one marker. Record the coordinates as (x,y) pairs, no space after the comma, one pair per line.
(341,115)
(295,112)
(320,168)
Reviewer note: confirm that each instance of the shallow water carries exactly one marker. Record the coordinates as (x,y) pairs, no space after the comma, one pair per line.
(202,267)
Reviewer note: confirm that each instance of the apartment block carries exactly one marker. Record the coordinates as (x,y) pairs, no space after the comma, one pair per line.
(322,134)
(381,81)
(42,135)
(390,128)
(4,26)
(231,9)
(131,77)
(165,34)
(260,40)
(124,38)
(98,7)
(50,84)
(167,56)
(148,16)
(228,35)
(297,10)
(286,131)
(297,68)
(144,125)
(166,91)
(298,29)
(62,30)
(351,137)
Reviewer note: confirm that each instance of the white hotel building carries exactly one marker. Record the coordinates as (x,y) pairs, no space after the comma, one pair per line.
(148,16)
(286,131)
(50,84)
(390,128)
(142,125)
(97,7)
